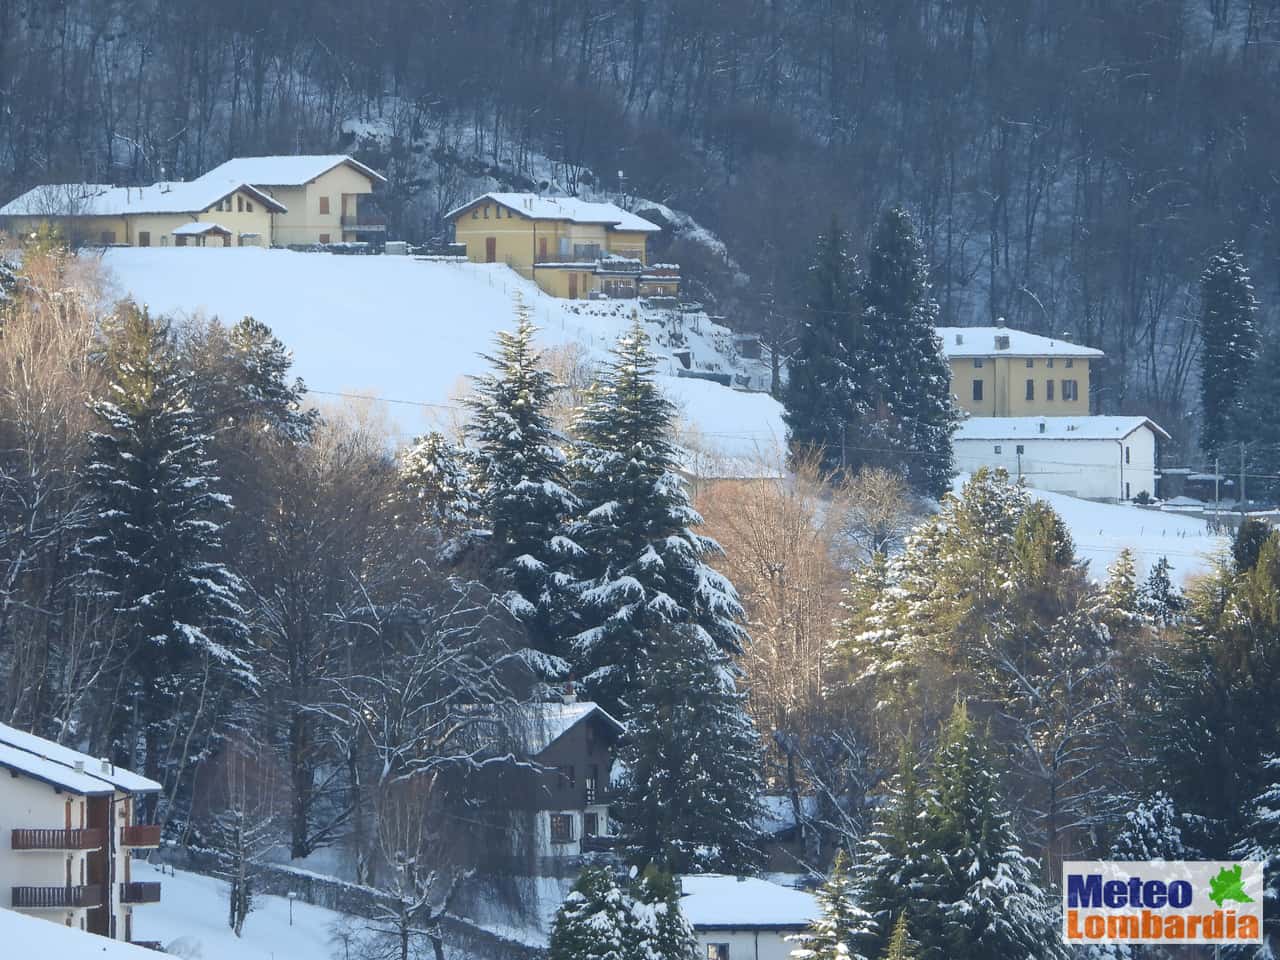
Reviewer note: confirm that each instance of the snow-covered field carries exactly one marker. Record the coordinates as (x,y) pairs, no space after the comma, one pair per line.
(36,937)
(1102,530)
(411,331)
(191,921)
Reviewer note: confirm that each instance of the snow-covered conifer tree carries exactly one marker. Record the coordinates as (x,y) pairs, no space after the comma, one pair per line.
(665,933)
(524,498)
(1160,601)
(1229,346)
(438,484)
(911,417)
(901,946)
(692,759)
(1152,830)
(644,567)
(596,921)
(834,934)
(152,547)
(1261,841)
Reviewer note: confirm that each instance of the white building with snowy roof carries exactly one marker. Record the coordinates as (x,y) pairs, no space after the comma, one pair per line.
(68,835)
(1001,372)
(1094,458)
(745,918)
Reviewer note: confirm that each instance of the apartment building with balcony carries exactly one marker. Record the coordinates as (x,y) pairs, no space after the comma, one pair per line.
(572,248)
(68,835)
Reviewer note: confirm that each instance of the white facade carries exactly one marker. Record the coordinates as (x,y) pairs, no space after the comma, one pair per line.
(67,836)
(745,918)
(1094,458)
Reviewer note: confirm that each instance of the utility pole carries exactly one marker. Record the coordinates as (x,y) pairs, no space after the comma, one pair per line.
(1217,472)
(1018,449)
(1242,496)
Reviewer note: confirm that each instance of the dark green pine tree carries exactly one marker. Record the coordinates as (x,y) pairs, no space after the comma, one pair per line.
(824,375)
(644,567)
(1229,346)
(524,500)
(911,413)
(595,922)
(1159,600)
(901,946)
(1258,425)
(842,924)
(1220,705)
(436,485)
(152,546)
(1261,841)
(692,759)
(977,893)
(263,393)
(1152,830)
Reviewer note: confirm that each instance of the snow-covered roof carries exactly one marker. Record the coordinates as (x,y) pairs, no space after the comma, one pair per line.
(719,902)
(37,937)
(102,200)
(982,342)
(39,757)
(542,724)
(286,171)
(1054,428)
(778,813)
(195,229)
(537,207)
(53,773)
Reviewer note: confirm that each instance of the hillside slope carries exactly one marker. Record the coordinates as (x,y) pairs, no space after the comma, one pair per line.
(411,332)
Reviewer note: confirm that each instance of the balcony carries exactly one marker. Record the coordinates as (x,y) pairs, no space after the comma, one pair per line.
(140,835)
(140,893)
(57,898)
(40,839)
(364,223)
(599,844)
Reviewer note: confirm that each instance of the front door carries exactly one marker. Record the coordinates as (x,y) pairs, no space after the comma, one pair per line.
(490,249)
(542,249)
(573,286)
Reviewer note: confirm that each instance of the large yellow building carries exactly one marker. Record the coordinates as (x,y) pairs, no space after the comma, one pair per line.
(196,213)
(571,248)
(999,372)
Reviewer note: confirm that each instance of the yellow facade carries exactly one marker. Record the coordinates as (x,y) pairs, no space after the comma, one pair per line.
(317,210)
(541,249)
(1004,386)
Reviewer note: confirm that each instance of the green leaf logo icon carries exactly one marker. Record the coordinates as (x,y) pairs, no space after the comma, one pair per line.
(1228,885)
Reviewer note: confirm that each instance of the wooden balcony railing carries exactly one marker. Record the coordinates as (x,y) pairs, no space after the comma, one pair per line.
(42,839)
(140,835)
(364,222)
(140,892)
(55,898)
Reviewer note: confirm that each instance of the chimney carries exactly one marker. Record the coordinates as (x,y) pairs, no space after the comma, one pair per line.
(569,696)
(1042,426)
(107,766)
(959,339)
(79,766)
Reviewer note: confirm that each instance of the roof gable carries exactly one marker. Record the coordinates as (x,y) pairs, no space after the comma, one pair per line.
(534,206)
(1055,428)
(287,171)
(47,760)
(102,200)
(542,724)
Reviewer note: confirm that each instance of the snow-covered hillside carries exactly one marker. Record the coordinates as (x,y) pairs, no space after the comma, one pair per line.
(36,937)
(411,331)
(191,921)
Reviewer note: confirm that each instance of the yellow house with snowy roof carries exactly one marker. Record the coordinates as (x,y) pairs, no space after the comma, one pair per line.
(571,248)
(1001,372)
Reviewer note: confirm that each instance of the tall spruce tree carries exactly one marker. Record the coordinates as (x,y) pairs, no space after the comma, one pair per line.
(692,759)
(644,567)
(977,891)
(912,417)
(1258,425)
(825,373)
(665,931)
(152,547)
(524,497)
(595,922)
(1152,830)
(1229,346)
(1261,841)
(901,946)
(842,923)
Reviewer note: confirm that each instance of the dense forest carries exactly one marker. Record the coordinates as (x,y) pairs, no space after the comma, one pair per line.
(1071,166)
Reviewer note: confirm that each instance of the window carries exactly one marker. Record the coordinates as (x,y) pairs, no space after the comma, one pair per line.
(591,824)
(566,778)
(144,238)
(977,363)
(1021,449)
(717,951)
(324,205)
(1126,489)
(180,240)
(593,782)
(1030,363)
(324,238)
(1031,389)
(999,448)
(475,214)
(977,391)
(1070,390)
(239,203)
(248,206)
(1048,389)
(562,828)
(1069,364)
(1049,363)
(486,211)
(108,237)
(1126,454)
